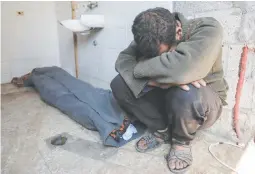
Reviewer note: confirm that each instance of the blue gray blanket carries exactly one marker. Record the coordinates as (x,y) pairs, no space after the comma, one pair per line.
(93,108)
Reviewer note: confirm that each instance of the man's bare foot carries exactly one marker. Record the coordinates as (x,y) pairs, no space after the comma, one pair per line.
(179,158)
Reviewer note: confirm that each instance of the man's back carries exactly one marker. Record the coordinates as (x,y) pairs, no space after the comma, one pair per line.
(215,78)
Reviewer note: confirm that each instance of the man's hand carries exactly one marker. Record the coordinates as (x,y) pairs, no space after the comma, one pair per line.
(160,85)
(197,84)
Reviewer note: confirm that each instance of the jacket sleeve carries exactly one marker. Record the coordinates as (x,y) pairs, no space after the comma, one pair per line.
(125,64)
(192,59)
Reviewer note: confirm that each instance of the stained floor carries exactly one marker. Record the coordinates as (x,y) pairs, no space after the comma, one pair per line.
(28,124)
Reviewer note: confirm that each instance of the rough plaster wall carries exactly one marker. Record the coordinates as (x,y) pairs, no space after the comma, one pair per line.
(238,21)
(247,31)
(96,62)
(27,41)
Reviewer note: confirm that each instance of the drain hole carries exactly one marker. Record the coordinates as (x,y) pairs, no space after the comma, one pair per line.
(59,140)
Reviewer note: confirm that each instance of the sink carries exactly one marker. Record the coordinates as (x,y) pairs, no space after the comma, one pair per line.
(74,25)
(85,24)
(93,21)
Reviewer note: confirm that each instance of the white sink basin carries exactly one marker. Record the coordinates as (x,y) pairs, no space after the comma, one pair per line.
(74,25)
(93,21)
(84,24)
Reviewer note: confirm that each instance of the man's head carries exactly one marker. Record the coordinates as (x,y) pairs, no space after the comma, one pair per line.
(154,31)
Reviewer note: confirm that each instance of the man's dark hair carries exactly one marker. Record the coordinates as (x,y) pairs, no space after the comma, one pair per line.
(153,27)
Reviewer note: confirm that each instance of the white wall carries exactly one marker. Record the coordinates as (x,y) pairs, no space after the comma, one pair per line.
(65,37)
(36,39)
(28,41)
(96,63)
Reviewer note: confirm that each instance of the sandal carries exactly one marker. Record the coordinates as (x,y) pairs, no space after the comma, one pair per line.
(152,141)
(183,156)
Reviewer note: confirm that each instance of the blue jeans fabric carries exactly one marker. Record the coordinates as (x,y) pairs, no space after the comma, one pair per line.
(94,108)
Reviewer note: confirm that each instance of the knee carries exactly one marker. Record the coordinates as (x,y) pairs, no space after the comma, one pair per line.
(185,98)
(114,83)
(118,86)
(182,102)
(187,108)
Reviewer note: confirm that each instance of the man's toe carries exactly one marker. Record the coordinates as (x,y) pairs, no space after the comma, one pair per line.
(177,164)
(181,164)
(142,144)
(185,164)
(172,164)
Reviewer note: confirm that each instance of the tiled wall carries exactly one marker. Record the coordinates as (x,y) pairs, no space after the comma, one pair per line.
(27,41)
(65,37)
(96,61)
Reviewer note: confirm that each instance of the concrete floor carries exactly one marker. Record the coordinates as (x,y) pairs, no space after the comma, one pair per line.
(28,124)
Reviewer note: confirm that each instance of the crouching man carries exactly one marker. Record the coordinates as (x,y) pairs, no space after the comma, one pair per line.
(171,79)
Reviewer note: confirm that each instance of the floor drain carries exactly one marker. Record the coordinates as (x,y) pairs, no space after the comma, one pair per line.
(59,140)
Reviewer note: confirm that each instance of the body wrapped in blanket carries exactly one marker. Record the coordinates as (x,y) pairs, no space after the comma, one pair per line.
(94,108)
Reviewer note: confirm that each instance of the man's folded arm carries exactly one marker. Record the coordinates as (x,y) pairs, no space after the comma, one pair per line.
(125,64)
(190,61)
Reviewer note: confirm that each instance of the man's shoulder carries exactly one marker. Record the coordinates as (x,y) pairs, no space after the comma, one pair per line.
(203,23)
(191,19)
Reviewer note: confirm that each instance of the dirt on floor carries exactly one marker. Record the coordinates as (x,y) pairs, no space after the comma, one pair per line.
(28,124)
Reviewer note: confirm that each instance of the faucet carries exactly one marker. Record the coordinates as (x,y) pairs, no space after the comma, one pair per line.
(92,5)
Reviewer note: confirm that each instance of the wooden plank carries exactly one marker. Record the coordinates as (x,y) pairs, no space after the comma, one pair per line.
(75,41)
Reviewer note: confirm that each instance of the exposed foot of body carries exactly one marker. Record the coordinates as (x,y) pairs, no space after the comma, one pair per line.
(19,81)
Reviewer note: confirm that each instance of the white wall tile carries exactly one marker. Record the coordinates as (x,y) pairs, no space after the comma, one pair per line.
(98,62)
(6,78)
(21,67)
(5,67)
(6,74)
(107,70)
(65,37)
(29,40)
(110,38)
